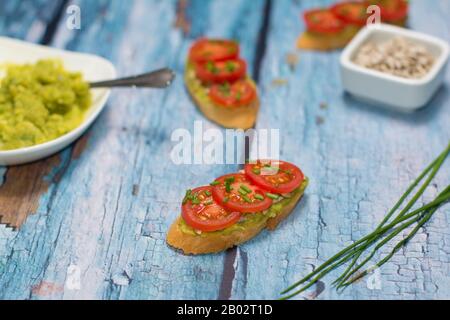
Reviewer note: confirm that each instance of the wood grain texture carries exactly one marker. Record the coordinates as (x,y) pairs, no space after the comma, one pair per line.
(360,160)
(109,200)
(94,218)
(27,19)
(21,191)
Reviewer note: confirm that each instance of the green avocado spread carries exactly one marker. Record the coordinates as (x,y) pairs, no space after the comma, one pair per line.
(250,219)
(40,102)
(348,33)
(200,91)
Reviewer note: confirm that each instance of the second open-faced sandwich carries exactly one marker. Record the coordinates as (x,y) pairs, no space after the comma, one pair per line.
(333,27)
(217,80)
(236,207)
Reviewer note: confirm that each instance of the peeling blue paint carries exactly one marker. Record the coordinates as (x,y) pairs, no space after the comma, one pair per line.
(359,160)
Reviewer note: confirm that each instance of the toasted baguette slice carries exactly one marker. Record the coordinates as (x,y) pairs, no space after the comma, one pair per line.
(312,41)
(219,241)
(243,117)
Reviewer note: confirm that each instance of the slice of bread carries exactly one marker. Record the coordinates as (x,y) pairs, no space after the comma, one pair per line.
(219,241)
(242,117)
(311,41)
(324,42)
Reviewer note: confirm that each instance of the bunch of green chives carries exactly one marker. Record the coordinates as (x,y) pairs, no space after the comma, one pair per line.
(386,231)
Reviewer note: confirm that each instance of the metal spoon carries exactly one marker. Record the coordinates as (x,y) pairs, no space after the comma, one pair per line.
(159,79)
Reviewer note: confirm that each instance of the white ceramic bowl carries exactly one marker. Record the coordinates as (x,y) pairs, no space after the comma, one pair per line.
(389,90)
(92,67)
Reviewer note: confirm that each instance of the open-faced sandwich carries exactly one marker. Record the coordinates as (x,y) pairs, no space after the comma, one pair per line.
(334,27)
(236,207)
(216,78)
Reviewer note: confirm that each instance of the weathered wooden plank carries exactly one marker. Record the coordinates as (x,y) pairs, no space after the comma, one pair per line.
(112,197)
(25,20)
(109,212)
(46,206)
(360,160)
(21,196)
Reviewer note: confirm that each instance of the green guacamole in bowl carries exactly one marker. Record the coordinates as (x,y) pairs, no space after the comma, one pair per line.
(39,103)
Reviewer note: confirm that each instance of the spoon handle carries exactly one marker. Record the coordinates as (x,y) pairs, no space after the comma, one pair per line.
(157,79)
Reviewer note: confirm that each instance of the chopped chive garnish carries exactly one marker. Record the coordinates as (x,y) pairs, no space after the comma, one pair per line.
(230,179)
(259,196)
(256,171)
(242,192)
(215,183)
(272,196)
(278,169)
(187,196)
(245,188)
(207,193)
(195,201)
(209,202)
(230,66)
(211,67)
(246,199)
(228,182)
(225,88)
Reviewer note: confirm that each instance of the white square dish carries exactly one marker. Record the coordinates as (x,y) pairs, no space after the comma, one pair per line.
(93,68)
(389,90)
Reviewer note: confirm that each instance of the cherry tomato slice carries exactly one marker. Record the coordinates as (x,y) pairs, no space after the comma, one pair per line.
(201,212)
(275,176)
(391,10)
(236,192)
(221,71)
(240,93)
(323,21)
(352,12)
(205,50)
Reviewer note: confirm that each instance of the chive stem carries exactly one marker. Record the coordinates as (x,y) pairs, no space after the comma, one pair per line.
(272,196)
(385,232)
(242,192)
(437,165)
(256,171)
(259,196)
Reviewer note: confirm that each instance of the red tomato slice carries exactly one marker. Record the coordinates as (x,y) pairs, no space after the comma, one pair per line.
(205,50)
(352,12)
(392,10)
(201,212)
(236,192)
(240,93)
(323,21)
(221,71)
(275,176)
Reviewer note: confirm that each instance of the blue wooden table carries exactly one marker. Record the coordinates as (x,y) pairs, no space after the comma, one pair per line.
(93,218)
